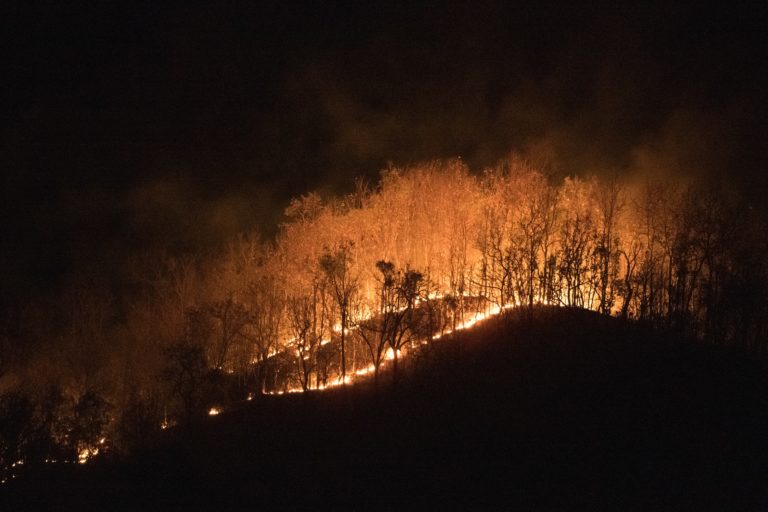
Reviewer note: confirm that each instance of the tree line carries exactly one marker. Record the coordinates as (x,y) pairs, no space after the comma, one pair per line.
(352,282)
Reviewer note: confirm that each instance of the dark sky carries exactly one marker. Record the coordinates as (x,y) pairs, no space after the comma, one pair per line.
(140,126)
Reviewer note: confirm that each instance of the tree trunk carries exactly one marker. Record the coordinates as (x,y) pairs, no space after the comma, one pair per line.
(343,348)
(394,368)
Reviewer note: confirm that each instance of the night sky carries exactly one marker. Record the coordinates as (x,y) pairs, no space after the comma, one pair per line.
(145,127)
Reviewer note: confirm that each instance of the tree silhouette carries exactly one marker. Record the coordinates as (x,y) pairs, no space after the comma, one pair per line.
(337,268)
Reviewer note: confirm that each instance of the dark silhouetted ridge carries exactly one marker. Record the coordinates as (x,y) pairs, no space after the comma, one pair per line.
(556,410)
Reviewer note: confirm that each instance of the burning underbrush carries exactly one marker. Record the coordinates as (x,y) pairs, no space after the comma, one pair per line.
(526,408)
(355,292)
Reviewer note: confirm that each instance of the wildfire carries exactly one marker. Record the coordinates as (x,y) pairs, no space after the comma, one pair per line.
(85,453)
(214,411)
(390,354)
(167,423)
(365,371)
(477,318)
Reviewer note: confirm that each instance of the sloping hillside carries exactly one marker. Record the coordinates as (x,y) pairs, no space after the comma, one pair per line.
(561,409)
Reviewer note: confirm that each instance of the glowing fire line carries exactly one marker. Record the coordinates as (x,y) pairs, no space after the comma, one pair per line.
(389,356)
(85,453)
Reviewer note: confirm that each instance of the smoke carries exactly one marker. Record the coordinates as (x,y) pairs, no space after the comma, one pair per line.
(205,122)
(657,91)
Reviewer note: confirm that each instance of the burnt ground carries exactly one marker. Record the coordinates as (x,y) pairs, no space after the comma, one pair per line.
(565,410)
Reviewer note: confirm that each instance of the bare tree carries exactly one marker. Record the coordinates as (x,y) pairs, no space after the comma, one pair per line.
(630,252)
(263,333)
(400,292)
(186,364)
(306,318)
(342,285)
(609,201)
(372,329)
(231,318)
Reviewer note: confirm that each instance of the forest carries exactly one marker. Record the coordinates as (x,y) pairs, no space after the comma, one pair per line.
(352,287)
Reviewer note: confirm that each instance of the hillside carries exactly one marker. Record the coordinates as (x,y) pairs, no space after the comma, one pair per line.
(562,410)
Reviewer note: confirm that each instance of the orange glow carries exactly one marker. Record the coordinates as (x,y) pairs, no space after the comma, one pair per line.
(391,354)
(367,371)
(85,453)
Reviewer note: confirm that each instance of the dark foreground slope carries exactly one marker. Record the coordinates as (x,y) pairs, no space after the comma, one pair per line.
(563,411)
